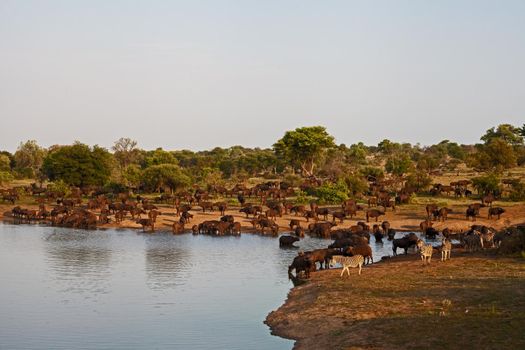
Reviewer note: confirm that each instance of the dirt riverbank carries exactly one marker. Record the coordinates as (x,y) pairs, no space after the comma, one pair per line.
(405,218)
(469,302)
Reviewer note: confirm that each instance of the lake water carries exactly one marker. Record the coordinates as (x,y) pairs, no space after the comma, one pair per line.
(120,289)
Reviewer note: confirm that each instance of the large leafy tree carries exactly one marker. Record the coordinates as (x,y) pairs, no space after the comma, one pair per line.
(304,146)
(158,157)
(509,133)
(162,176)
(29,158)
(79,165)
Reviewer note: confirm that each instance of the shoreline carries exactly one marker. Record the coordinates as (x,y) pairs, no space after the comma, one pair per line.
(374,310)
(405,219)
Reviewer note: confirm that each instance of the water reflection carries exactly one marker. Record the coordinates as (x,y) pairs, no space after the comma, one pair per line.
(81,260)
(167,262)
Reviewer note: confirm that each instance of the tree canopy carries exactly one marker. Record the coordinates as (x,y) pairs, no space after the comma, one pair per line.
(162,176)
(303,146)
(79,165)
(29,158)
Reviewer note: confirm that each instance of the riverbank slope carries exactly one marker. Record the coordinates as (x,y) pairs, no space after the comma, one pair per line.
(471,301)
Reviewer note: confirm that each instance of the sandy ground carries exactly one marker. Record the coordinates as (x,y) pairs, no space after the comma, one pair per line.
(468,302)
(405,218)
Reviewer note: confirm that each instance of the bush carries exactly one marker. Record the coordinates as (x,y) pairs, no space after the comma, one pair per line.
(5,177)
(356,184)
(115,187)
(419,180)
(301,197)
(518,192)
(486,184)
(59,187)
(293,179)
(332,193)
(373,172)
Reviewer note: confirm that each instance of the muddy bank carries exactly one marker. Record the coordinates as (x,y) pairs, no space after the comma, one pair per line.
(467,302)
(405,218)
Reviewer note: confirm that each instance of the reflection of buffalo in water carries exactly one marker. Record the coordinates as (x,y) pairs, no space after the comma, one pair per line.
(165,262)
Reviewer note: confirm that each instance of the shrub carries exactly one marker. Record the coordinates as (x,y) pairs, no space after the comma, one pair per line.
(115,187)
(518,192)
(5,176)
(301,197)
(486,184)
(372,171)
(418,180)
(293,179)
(356,185)
(332,193)
(60,187)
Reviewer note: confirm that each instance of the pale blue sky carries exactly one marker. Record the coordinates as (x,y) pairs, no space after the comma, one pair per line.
(199,74)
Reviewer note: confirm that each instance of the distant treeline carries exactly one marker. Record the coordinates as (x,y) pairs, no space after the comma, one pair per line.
(308,152)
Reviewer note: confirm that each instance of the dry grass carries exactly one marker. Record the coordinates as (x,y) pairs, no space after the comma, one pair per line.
(468,302)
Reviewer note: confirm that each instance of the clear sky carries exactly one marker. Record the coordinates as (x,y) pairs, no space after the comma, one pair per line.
(198,74)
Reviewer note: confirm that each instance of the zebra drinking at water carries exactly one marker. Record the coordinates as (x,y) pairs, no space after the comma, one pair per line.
(347,262)
(425,250)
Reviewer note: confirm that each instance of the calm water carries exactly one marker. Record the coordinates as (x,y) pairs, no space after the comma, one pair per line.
(118,289)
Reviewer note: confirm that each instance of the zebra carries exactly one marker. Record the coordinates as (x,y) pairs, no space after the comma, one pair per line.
(347,262)
(487,239)
(446,248)
(425,250)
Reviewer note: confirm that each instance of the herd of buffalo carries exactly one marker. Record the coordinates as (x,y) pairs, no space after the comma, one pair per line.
(260,205)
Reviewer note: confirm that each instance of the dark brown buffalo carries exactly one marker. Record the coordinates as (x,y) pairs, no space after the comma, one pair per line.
(338,215)
(146,223)
(374,213)
(301,264)
(405,242)
(287,241)
(177,228)
(495,211)
(431,208)
(322,256)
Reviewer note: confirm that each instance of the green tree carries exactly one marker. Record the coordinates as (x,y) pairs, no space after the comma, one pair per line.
(511,134)
(356,185)
(486,184)
(5,163)
(427,163)
(29,158)
(132,175)
(5,177)
(79,165)
(398,164)
(369,171)
(332,193)
(162,176)
(304,146)
(158,157)
(419,180)
(497,153)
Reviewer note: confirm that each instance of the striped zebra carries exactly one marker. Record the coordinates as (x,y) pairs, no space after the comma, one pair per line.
(425,250)
(347,262)
(446,248)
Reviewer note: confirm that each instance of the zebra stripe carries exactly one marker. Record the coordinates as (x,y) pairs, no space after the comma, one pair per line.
(349,261)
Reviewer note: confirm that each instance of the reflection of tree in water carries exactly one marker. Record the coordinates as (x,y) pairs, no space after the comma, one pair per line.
(167,263)
(81,259)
